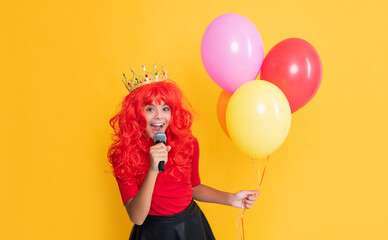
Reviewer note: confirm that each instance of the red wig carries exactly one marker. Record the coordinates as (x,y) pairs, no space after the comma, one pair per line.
(129,152)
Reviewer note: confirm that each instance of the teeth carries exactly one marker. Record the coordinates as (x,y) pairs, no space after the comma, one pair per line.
(157,125)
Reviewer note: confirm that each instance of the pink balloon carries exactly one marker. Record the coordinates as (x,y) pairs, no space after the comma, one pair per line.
(232,51)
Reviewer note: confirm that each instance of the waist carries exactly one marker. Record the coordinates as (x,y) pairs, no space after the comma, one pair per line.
(191,209)
(167,202)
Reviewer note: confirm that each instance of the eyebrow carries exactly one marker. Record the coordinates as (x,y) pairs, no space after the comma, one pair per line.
(153,105)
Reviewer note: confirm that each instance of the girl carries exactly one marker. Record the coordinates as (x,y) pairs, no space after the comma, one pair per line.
(160,204)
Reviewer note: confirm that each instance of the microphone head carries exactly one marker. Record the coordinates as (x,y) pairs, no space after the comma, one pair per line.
(160,137)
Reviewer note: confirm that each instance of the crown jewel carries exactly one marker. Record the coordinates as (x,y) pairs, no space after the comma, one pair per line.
(144,78)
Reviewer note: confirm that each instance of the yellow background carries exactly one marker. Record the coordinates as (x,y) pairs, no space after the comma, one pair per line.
(60,66)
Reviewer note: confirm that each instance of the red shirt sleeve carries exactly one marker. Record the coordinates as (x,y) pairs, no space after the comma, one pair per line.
(127,191)
(195,179)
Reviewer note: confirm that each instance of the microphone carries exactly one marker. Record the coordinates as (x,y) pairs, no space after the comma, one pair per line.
(160,137)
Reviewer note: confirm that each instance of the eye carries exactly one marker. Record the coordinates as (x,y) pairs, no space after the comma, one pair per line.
(149,109)
(166,109)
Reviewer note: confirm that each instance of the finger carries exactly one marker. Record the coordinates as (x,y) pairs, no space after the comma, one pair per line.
(252,198)
(158,146)
(249,192)
(248,206)
(160,156)
(159,150)
(254,192)
(249,203)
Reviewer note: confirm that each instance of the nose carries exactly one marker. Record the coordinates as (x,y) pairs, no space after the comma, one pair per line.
(158,114)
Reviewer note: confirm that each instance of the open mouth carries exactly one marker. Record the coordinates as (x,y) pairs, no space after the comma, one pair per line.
(157,127)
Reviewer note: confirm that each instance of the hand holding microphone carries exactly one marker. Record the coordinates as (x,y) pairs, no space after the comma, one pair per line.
(160,152)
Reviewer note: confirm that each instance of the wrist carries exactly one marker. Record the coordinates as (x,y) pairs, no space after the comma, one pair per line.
(152,172)
(230,199)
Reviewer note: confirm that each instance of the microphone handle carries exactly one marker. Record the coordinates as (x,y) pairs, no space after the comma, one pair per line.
(161,166)
(161,163)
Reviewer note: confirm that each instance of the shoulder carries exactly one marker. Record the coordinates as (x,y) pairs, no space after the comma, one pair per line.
(195,141)
(195,144)
(195,148)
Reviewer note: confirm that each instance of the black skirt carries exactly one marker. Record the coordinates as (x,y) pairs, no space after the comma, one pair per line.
(190,224)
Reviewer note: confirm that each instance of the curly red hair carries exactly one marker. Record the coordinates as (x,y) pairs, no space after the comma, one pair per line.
(129,152)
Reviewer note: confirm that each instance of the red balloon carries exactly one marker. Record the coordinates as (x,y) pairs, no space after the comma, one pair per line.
(295,67)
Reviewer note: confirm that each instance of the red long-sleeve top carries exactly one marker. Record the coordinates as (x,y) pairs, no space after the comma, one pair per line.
(168,198)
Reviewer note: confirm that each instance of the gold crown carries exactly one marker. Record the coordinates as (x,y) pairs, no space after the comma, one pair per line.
(144,78)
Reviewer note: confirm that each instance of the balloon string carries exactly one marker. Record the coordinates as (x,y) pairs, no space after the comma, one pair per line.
(239,215)
(265,167)
(254,172)
(242,224)
(243,208)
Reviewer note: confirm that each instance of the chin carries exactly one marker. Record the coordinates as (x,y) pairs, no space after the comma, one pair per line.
(151,134)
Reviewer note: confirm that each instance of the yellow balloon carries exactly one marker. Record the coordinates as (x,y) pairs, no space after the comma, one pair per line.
(258,118)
